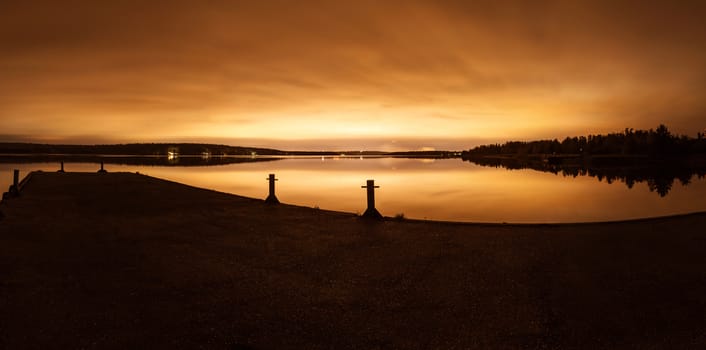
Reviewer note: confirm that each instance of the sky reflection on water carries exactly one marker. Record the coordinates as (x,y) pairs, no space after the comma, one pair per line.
(443,189)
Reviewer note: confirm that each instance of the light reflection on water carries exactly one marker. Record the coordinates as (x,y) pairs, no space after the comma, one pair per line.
(443,189)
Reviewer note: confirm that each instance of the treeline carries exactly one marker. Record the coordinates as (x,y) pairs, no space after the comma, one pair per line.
(653,143)
(137,149)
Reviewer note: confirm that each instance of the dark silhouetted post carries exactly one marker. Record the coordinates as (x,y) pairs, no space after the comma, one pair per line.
(102,170)
(62,168)
(271,198)
(15,182)
(371,212)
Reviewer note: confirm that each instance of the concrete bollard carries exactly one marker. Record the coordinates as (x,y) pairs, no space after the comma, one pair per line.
(271,198)
(14,189)
(16,179)
(371,212)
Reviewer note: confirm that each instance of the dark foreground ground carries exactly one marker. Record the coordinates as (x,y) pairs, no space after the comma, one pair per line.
(124,261)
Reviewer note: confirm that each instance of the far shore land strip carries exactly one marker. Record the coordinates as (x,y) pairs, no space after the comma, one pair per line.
(119,260)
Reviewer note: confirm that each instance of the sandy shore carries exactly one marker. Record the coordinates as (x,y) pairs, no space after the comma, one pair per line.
(123,260)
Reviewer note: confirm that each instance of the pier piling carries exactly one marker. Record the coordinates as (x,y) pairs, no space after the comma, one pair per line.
(15,188)
(16,179)
(271,198)
(102,170)
(371,212)
(62,168)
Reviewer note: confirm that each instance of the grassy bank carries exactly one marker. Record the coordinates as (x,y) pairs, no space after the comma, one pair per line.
(123,260)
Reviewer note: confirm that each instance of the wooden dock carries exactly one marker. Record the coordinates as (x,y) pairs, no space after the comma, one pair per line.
(121,260)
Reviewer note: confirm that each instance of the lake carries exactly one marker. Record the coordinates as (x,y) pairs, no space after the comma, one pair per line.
(433,189)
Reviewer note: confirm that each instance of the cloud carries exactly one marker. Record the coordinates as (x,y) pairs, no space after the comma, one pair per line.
(299,70)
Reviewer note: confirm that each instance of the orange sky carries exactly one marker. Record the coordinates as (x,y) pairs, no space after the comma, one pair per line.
(353,75)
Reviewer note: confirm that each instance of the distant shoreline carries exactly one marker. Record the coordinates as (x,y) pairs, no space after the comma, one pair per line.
(193,149)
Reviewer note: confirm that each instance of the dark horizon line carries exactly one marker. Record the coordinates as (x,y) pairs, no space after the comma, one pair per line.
(162,148)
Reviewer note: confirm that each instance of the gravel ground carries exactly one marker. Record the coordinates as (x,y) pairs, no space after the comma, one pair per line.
(121,260)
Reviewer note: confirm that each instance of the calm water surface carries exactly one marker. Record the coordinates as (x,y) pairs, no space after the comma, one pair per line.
(443,189)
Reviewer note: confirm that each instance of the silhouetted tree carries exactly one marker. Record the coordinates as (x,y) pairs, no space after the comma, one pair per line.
(654,143)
